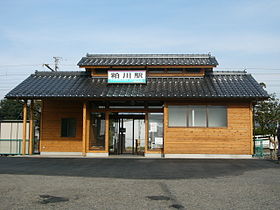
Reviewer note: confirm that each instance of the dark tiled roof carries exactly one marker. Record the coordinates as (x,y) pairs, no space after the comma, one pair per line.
(148,59)
(81,85)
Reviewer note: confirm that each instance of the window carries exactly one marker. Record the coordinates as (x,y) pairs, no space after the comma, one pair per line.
(197,116)
(155,131)
(192,70)
(68,127)
(177,116)
(97,130)
(174,70)
(217,116)
(101,71)
(158,71)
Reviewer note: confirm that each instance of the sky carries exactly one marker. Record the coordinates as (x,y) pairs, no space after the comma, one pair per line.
(241,34)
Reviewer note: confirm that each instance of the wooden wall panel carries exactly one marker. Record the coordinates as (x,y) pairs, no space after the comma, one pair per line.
(52,113)
(235,139)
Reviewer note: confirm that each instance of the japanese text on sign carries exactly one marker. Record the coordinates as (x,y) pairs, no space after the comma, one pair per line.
(126,76)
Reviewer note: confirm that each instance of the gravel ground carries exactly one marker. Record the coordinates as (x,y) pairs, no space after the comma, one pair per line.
(65,183)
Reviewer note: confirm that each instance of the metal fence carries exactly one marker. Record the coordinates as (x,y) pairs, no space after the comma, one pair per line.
(12,146)
(264,146)
(11,137)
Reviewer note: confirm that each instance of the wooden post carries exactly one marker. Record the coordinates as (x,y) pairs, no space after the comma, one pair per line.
(41,126)
(251,129)
(165,125)
(88,131)
(107,133)
(24,128)
(31,128)
(84,127)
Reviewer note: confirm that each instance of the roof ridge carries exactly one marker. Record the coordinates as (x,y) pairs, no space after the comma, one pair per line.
(60,73)
(163,55)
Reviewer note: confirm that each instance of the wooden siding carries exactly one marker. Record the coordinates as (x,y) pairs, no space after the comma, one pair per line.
(236,138)
(52,113)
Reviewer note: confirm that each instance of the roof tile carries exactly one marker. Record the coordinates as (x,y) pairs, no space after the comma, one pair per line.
(81,85)
(148,59)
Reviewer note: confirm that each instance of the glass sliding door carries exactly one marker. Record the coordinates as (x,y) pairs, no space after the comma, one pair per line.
(127,133)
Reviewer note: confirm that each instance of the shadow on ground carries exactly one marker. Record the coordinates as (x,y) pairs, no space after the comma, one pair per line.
(131,168)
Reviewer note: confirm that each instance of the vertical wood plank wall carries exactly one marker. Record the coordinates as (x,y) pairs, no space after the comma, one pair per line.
(235,139)
(53,111)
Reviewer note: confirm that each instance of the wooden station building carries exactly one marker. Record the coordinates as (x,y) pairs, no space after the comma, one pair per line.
(156,105)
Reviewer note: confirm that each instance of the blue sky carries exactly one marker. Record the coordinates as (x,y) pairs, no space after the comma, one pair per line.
(242,34)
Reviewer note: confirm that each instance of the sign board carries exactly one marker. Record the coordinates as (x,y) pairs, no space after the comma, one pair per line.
(126,77)
(159,140)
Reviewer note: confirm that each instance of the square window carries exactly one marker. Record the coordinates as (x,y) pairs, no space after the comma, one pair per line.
(68,127)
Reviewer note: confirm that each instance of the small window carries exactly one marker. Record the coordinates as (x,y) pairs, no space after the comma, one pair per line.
(195,70)
(157,71)
(101,71)
(68,127)
(174,70)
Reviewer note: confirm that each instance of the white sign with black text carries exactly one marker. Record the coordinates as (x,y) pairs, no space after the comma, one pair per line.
(127,76)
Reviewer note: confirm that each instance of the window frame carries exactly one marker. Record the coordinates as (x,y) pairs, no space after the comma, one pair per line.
(207,117)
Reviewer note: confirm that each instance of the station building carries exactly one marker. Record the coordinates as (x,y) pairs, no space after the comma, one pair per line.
(156,105)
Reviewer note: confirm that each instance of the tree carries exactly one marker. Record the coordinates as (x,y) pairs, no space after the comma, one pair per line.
(10,110)
(267,115)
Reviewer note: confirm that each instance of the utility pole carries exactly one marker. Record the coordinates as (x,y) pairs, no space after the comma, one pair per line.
(56,62)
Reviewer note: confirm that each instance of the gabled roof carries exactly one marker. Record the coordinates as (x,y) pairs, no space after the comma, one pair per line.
(223,85)
(148,60)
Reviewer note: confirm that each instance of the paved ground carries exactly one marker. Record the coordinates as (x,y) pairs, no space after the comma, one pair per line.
(59,183)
